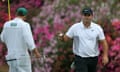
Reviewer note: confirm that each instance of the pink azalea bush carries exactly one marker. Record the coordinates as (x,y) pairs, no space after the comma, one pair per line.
(114,47)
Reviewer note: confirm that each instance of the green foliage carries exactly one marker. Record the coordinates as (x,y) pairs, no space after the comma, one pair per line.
(65,57)
(76,2)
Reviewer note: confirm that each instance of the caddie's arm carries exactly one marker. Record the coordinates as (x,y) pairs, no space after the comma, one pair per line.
(36,53)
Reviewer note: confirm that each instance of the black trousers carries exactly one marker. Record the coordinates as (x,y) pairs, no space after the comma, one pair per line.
(85,64)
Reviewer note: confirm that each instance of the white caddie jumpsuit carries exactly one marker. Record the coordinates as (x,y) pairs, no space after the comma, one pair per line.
(18,39)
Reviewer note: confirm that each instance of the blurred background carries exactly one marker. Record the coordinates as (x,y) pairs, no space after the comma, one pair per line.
(49,17)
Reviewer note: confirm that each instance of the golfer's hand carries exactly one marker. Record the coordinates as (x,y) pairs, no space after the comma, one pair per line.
(105,60)
(60,36)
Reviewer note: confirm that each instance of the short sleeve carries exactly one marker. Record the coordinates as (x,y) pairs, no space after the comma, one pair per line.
(101,34)
(70,32)
(2,34)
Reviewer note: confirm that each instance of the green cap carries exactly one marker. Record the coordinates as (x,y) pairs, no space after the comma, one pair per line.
(22,11)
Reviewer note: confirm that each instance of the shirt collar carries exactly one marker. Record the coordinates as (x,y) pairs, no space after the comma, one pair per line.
(17,18)
(82,25)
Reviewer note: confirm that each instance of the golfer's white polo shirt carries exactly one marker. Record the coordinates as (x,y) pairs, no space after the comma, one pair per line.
(85,40)
(17,36)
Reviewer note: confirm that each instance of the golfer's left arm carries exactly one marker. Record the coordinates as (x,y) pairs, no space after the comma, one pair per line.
(105,51)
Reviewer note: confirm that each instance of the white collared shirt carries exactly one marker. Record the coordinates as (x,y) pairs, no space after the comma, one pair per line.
(85,40)
(18,38)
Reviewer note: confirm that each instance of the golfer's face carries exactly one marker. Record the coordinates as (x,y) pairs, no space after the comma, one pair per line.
(87,17)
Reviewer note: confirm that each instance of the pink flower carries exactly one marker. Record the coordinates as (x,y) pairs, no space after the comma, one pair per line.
(49,60)
(117,69)
(47,50)
(116,23)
